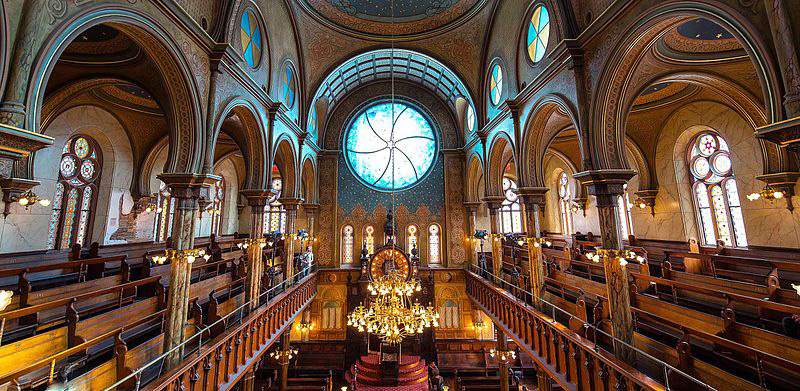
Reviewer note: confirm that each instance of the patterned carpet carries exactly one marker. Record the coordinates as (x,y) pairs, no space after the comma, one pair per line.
(412,376)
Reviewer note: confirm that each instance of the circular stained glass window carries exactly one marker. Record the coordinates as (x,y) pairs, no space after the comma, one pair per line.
(87,170)
(68,166)
(721,163)
(538,33)
(390,147)
(251,38)
(701,168)
(470,118)
(81,147)
(707,144)
(496,84)
(289,87)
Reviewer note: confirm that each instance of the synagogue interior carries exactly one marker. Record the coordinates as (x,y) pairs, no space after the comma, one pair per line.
(399,195)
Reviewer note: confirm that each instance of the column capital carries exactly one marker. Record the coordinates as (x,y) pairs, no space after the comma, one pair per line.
(290,203)
(606,184)
(473,207)
(532,195)
(257,197)
(310,207)
(187,185)
(494,202)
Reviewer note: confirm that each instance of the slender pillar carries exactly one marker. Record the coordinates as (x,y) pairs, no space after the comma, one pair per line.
(607,186)
(533,198)
(290,205)
(472,215)
(311,214)
(284,362)
(543,381)
(185,188)
(503,364)
(255,262)
(494,204)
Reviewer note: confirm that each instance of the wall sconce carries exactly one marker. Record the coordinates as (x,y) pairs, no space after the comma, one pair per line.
(504,356)
(283,356)
(5,299)
(305,327)
(773,193)
(29,198)
(623,255)
(646,198)
(479,326)
(579,204)
(190,255)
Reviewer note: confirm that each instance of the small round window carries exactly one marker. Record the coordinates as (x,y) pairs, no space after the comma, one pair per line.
(251,38)
(289,86)
(538,33)
(390,148)
(496,84)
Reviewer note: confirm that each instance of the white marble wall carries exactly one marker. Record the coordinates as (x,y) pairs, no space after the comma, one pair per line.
(768,224)
(25,230)
(229,222)
(554,165)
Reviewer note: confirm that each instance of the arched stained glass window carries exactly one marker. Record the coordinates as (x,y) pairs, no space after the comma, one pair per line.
(716,194)
(289,86)
(390,147)
(496,84)
(165,211)
(369,239)
(470,118)
(412,238)
(565,204)
(347,244)
(624,210)
(434,245)
(275,215)
(510,211)
(79,171)
(312,120)
(217,204)
(251,38)
(538,33)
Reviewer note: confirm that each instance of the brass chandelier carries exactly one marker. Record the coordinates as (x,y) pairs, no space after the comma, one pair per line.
(391,316)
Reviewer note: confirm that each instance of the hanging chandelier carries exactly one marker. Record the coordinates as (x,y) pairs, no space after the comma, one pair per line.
(391,315)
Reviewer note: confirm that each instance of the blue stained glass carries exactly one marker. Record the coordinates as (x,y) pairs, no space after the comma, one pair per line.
(288,87)
(538,33)
(387,150)
(251,38)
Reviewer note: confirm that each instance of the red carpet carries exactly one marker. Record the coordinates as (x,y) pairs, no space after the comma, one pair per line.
(413,374)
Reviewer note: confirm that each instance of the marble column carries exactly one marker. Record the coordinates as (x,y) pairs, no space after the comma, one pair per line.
(533,198)
(284,362)
(472,215)
(607,186)
(257,199)
(185,189)
(290,205)
(494,204)
(503,364)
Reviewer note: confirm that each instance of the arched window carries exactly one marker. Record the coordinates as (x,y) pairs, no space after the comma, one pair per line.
(275,215)
(165,211)
(216,206)
(434,245)
(565,204)
(412,237)
(347,244)
(76,193)
(624,209)
(716,195)
(289,86)
(331,315)
(369,239)
(510,211)
(251,38)
(450,315)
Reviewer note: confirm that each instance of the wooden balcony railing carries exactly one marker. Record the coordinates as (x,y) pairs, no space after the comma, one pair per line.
(572,361)
(221,363)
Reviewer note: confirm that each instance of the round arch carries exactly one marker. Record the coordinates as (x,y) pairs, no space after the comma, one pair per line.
(474,176)
(538,136)
(184,103)
(309,180)
(613,95)
(285,159)
(254,133)
(501,152)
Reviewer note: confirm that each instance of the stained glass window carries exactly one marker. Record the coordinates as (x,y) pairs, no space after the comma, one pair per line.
(538,33)
(716,195)
(347,244)
(369,239)
(217,204)
(412,238)
(251,38)
(312,121)
(470,118)
(275,215)
(289,86)
(496,84)
(510,211)
(390,146)
(79,171)
(164,213)
(624,210)
(565,204)
(434,247)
